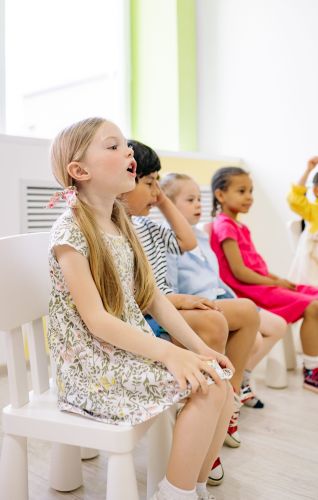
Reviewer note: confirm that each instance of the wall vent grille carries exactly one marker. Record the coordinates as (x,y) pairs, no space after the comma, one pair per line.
(36,217)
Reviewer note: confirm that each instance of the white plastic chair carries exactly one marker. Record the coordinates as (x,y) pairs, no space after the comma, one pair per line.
(24,293)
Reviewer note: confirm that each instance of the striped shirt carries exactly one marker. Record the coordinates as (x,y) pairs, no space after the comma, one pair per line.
(156,240)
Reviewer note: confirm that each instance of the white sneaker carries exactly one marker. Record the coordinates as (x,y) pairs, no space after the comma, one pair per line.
(216,474)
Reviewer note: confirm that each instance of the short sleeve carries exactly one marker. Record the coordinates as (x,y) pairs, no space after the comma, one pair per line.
(169,239)
(67,232)
(225,230)
(172,272)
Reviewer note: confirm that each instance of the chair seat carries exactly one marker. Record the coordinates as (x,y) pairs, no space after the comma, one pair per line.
(41,419)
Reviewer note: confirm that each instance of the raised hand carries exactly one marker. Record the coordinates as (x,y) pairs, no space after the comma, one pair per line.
(312,162)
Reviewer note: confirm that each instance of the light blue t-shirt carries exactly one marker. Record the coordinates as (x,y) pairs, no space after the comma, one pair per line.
(197,272)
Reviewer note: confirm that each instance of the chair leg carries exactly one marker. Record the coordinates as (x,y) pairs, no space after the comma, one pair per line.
(14,468)
(289,348)
(89,453)
(159,439)
(276,371)
(65,467)
(121,478)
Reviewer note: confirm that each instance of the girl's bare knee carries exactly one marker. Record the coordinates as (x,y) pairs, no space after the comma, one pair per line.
(249,312)
(215,331)
(219,393)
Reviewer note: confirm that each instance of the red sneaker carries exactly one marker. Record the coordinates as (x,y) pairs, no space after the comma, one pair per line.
(232,438)
(311,379)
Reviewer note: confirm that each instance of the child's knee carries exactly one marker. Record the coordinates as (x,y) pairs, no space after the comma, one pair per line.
(219,393)
(216,330)
(248,311)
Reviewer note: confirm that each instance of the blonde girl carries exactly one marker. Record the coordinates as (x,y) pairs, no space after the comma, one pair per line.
(110,366)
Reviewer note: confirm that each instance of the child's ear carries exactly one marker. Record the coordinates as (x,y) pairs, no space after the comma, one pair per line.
(219,195)
(77,171)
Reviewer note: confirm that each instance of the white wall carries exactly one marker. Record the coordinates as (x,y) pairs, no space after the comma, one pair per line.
(20,158)
(258,100)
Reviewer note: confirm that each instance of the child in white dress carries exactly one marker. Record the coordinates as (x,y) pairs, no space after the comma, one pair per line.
(110,366)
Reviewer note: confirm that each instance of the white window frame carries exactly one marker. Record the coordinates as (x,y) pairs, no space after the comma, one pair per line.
(126,73)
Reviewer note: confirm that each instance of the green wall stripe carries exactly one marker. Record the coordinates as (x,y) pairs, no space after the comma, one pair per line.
(186,15)
(163,73)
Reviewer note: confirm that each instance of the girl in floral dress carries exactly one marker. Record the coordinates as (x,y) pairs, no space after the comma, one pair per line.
(110,366)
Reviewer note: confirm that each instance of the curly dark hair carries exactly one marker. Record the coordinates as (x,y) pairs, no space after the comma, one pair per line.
(147,159)
(221,180)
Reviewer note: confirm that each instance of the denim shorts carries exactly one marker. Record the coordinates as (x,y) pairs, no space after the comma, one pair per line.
(157,329)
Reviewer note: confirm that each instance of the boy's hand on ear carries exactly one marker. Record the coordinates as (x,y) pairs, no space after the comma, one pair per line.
(161,197)
(312,162)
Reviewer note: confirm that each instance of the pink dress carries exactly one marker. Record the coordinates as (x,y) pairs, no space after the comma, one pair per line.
(286,303)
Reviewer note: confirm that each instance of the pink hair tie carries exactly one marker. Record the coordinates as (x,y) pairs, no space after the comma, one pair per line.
(69,195)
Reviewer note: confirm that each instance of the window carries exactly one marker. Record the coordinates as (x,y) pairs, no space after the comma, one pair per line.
(65,60)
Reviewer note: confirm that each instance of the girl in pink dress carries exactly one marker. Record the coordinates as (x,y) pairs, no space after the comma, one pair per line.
(246,272)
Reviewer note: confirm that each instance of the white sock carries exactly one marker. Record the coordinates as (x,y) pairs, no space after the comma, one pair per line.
(246,377)
(201,489)
(310,362)
(175,493)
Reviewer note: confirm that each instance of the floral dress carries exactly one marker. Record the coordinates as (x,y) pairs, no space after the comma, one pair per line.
(95,378)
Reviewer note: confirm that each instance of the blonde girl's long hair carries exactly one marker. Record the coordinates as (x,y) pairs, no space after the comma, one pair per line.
(71,145)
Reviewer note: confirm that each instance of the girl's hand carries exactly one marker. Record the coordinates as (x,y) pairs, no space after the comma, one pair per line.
(223,360)
(188,368)
(195,302)
(312,162)
(285,284)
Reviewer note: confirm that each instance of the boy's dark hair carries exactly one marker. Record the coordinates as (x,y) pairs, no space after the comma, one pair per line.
(146,158)
(221,180)
(315,179)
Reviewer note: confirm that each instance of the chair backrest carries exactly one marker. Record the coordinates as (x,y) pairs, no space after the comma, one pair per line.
(294,231)
(24,279)
(24,299)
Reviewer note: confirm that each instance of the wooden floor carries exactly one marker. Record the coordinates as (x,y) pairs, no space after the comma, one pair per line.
(278,458)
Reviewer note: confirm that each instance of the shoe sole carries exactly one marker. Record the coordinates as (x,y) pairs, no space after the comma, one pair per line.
(215,482)
(310,388)
(231,442)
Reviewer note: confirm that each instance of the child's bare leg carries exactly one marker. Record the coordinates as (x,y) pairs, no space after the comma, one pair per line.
(219,435)
(194,430)
(211,326)
(309,330)
(272,328)
(243,321)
